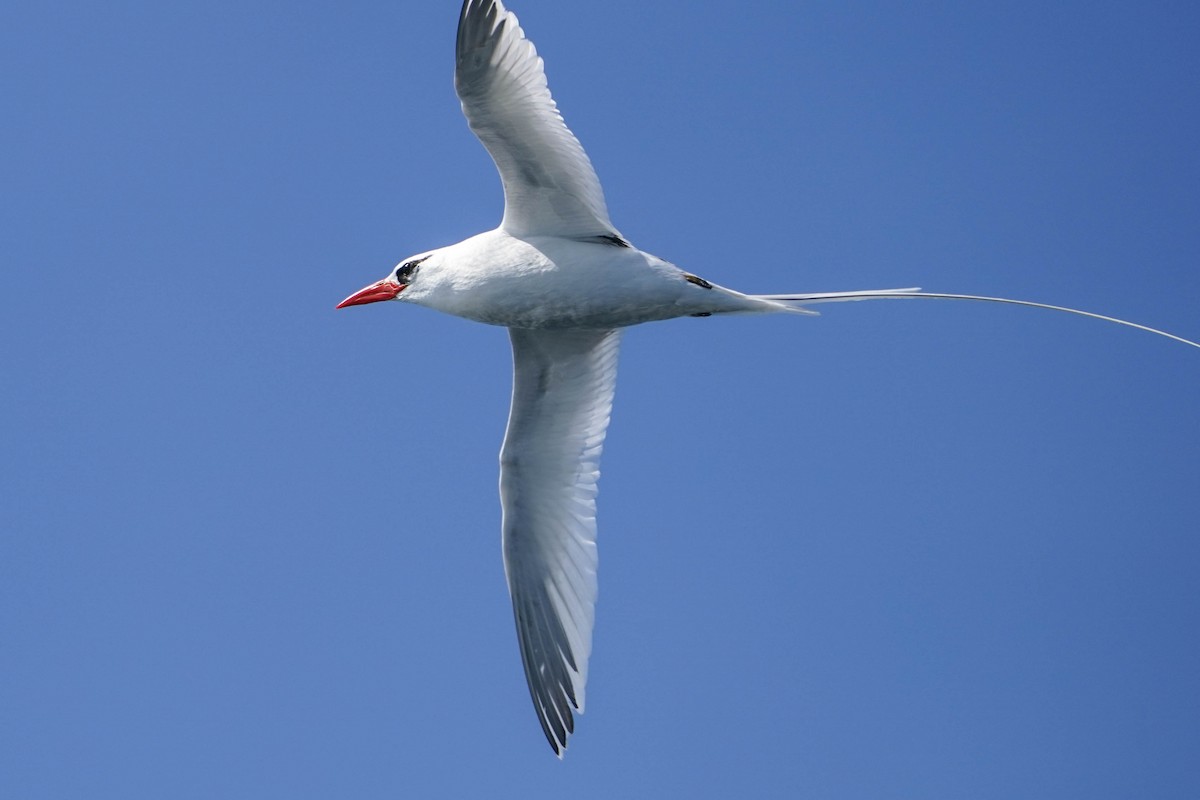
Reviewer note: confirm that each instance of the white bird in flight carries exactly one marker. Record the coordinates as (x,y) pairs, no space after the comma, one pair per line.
(564,281)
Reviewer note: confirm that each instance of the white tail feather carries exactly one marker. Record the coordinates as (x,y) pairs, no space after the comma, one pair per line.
(801,300)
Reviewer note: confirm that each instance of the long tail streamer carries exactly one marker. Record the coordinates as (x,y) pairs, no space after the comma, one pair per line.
(904,294)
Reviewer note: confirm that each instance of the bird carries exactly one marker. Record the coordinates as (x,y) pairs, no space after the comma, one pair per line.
(563,279)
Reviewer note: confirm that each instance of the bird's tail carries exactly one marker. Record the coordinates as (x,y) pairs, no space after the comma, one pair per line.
(799,302)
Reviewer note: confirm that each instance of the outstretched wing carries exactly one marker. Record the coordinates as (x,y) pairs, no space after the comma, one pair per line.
(563,384)
(549,185)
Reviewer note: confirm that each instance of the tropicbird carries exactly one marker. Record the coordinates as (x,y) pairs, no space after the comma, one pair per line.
(564,281)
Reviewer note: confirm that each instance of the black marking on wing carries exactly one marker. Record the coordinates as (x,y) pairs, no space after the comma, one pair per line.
(607,238)
(690,278)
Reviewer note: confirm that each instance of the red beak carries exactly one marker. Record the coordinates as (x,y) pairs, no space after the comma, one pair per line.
(385,289)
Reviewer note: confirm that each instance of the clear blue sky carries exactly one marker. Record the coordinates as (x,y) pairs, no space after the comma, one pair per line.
(250,545)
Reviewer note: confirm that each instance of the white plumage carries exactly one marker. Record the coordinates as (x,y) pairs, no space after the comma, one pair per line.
(550,187)
(563,280)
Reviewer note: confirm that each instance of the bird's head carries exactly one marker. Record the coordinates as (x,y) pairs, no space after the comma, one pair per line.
(391,287)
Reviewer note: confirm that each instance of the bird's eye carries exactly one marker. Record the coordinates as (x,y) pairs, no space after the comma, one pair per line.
(406,271)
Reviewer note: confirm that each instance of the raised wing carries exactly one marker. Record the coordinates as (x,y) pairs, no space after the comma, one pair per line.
(563,384)
(549,184)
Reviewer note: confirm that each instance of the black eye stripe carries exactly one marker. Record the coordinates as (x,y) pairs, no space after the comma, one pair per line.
(405,271)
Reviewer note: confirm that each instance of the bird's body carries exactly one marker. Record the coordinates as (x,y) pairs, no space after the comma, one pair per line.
(557,282)
(559,275)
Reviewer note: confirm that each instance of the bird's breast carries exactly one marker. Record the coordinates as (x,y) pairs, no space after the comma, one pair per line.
(557,283)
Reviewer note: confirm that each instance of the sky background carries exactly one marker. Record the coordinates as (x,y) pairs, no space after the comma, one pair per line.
(249,546)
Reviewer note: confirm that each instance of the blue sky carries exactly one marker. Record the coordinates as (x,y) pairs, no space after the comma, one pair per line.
(250,544)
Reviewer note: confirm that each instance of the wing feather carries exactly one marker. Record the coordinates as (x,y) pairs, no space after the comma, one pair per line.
(563,383)
(549,184)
